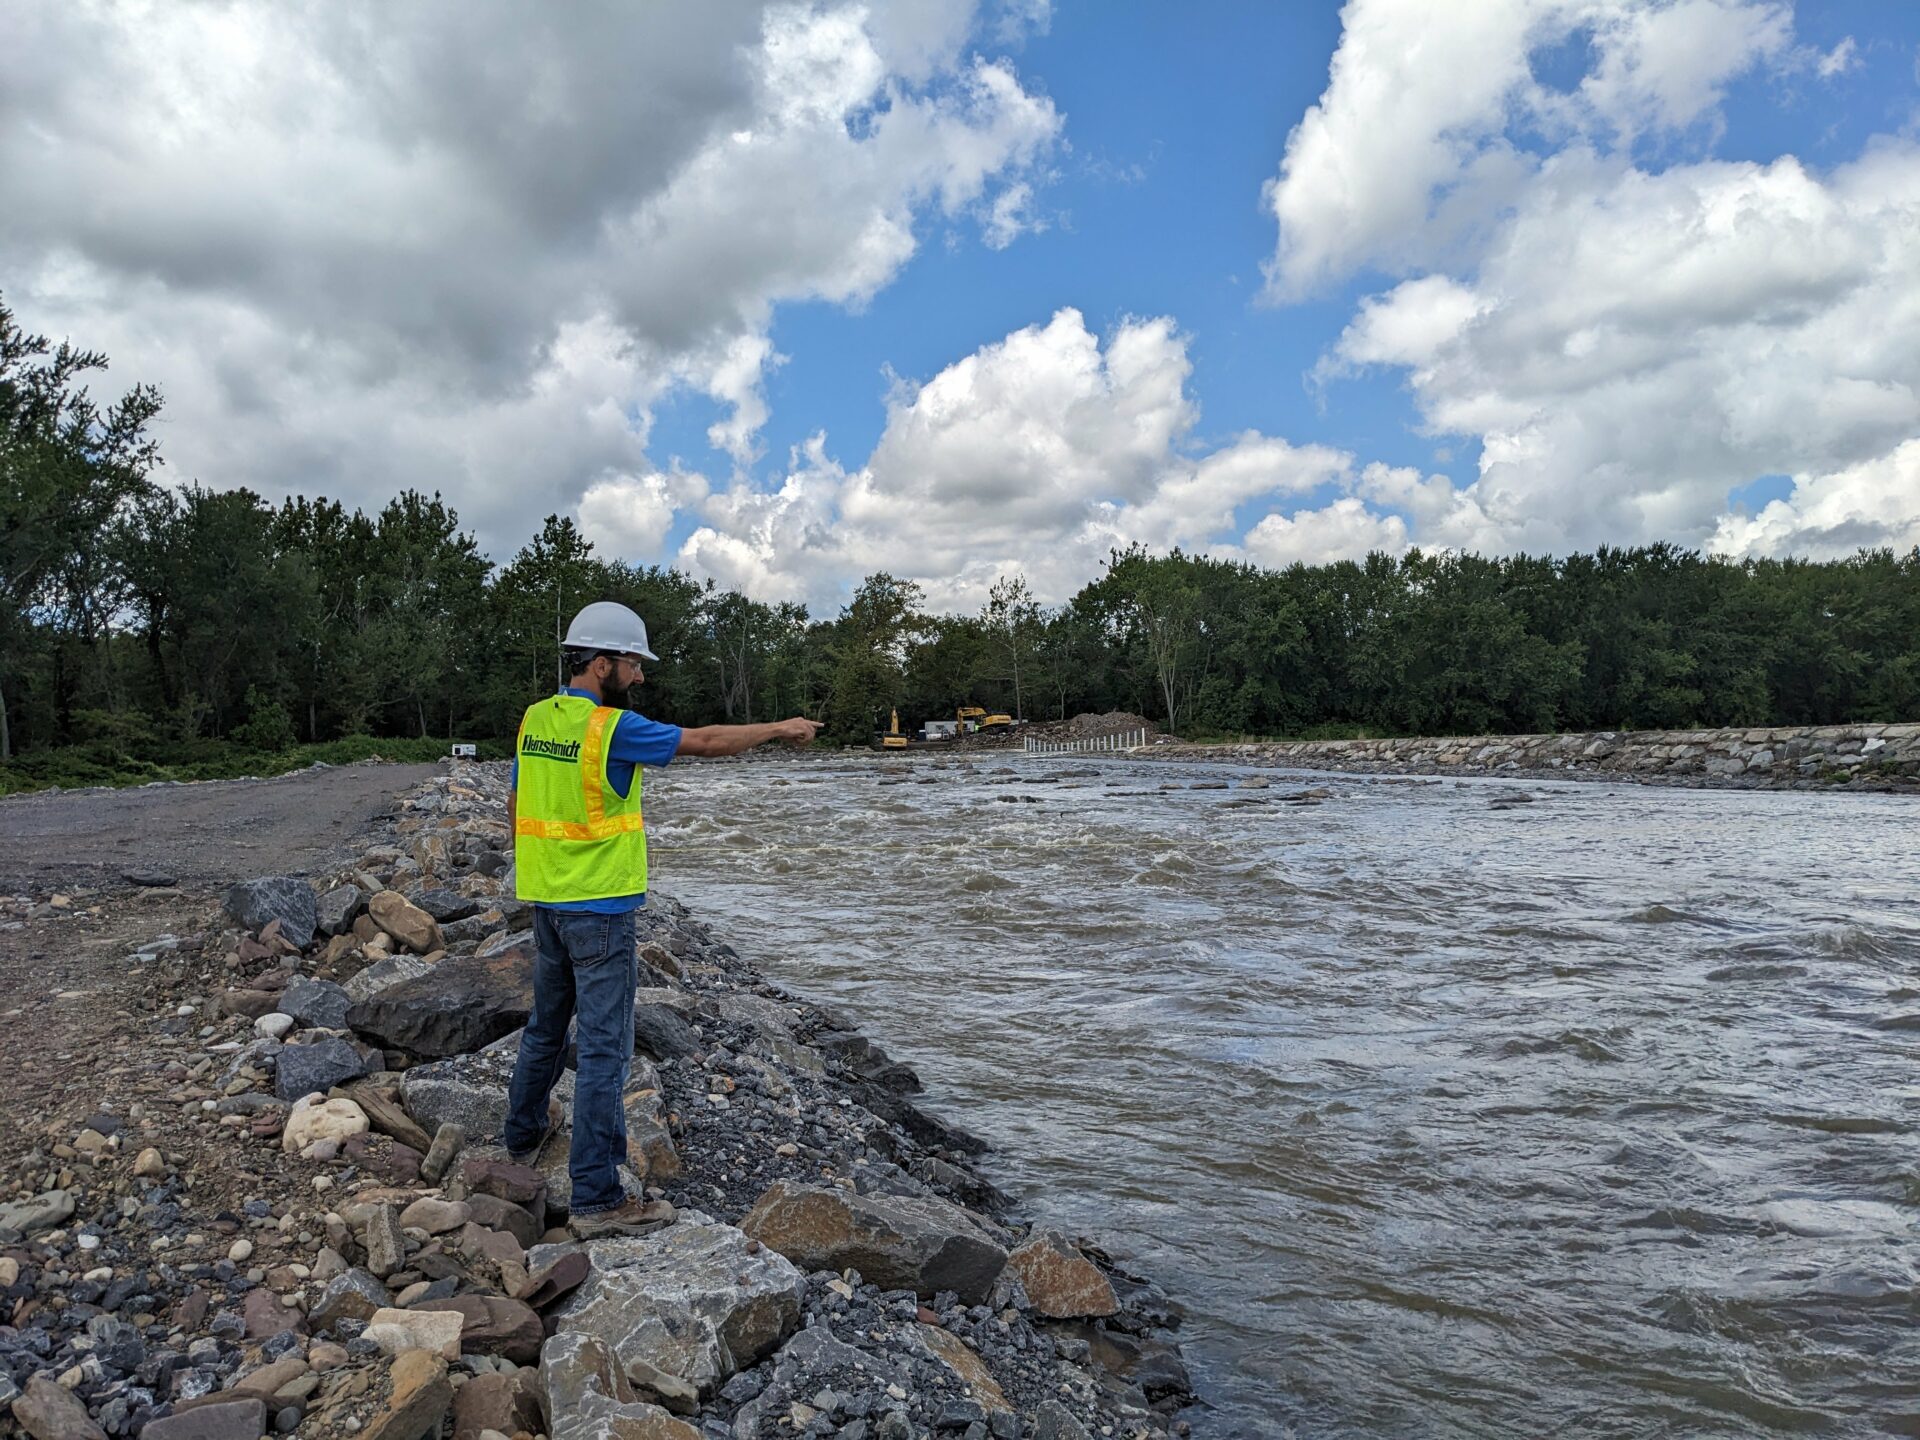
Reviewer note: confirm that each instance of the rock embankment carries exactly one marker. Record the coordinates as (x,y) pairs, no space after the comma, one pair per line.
(289,1211)
(1816,757)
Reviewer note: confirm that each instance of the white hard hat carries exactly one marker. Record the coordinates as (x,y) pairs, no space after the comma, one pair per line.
(608,625)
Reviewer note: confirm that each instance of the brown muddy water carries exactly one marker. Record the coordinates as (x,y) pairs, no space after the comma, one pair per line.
(1593,1115)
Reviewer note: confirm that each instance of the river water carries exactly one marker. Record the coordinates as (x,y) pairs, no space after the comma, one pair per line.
(1443,1115)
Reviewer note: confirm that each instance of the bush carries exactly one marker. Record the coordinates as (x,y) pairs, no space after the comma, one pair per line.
(268,726)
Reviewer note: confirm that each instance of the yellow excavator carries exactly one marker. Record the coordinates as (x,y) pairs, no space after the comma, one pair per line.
(891,738)
(973,718)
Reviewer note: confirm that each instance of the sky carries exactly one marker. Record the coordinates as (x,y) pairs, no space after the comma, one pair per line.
(785,294)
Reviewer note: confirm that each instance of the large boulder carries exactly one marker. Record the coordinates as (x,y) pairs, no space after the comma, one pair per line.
(471,1092)
(303,1069)
(320,1004)
(256,904)
(463,1004)
(1061,1282)
(406,922)
(589,1398)
(384,974)
(898,1242)
(684,1308)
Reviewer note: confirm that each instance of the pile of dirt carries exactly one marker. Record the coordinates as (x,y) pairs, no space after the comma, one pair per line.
(1114,722)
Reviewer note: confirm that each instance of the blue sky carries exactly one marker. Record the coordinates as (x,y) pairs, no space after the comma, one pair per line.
(1276,282)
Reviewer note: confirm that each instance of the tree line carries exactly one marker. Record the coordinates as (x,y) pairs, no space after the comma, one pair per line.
(130,607)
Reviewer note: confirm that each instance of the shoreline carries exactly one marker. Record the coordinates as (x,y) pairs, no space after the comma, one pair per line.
(343,1266)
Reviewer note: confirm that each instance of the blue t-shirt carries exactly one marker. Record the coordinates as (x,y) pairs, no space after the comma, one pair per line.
(636,741)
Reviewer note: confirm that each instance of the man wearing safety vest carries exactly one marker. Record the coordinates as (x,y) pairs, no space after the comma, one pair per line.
(580,855)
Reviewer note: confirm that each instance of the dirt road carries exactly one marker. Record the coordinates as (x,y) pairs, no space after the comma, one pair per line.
(197,835)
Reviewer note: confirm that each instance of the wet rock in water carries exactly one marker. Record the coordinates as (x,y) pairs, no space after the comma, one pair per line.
(313,1120)
(338,908)
(398,1332)
(355,1295)
(319,1004)
(897,1242)
(41,1212)
(493,1325)
(405,922)
(385,973)
(47,1411)
(317,1067)
(684,1308)
(462,1005)
(589,1398)
(1061,1283)
(256,904)
(419,1400)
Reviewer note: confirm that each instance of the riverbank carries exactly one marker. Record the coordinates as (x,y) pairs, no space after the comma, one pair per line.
(1856,757)
(189,1241)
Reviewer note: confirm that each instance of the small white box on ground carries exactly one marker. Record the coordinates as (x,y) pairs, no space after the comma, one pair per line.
(465,752)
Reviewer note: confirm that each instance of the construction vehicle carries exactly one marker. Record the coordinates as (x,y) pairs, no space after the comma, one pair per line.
(891,738)
(973,719)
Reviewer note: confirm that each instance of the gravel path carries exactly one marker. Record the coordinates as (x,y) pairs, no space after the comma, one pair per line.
(209,833)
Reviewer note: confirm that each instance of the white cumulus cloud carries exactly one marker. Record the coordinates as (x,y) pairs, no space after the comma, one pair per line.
(1627,344)
(473,246)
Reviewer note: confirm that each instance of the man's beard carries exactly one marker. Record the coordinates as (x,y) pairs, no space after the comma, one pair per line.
(618,698)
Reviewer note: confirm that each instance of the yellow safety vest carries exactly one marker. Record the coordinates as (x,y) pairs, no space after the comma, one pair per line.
(576,837)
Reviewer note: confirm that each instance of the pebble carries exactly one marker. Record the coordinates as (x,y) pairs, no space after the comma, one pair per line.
(150,1164)
(240,1250)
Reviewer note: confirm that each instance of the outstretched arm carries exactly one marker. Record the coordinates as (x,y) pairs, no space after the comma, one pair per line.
(713,740)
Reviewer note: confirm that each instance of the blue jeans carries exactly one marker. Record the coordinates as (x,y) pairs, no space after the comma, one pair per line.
(584,967)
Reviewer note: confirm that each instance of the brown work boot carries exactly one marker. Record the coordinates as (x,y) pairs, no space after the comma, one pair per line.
(635,1217)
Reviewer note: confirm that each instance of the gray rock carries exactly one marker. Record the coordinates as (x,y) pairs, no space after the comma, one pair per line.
(41,1212)
(463,1004)
(352,1296)
(470,1091)
(303,1069)
(444,905)
(255,904)
(229,1420)
(897,1242)
(317,1003)
(386,1246)
(335,911)
(1053,1421)
(684,1308)
(663,1032)
(383,973)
